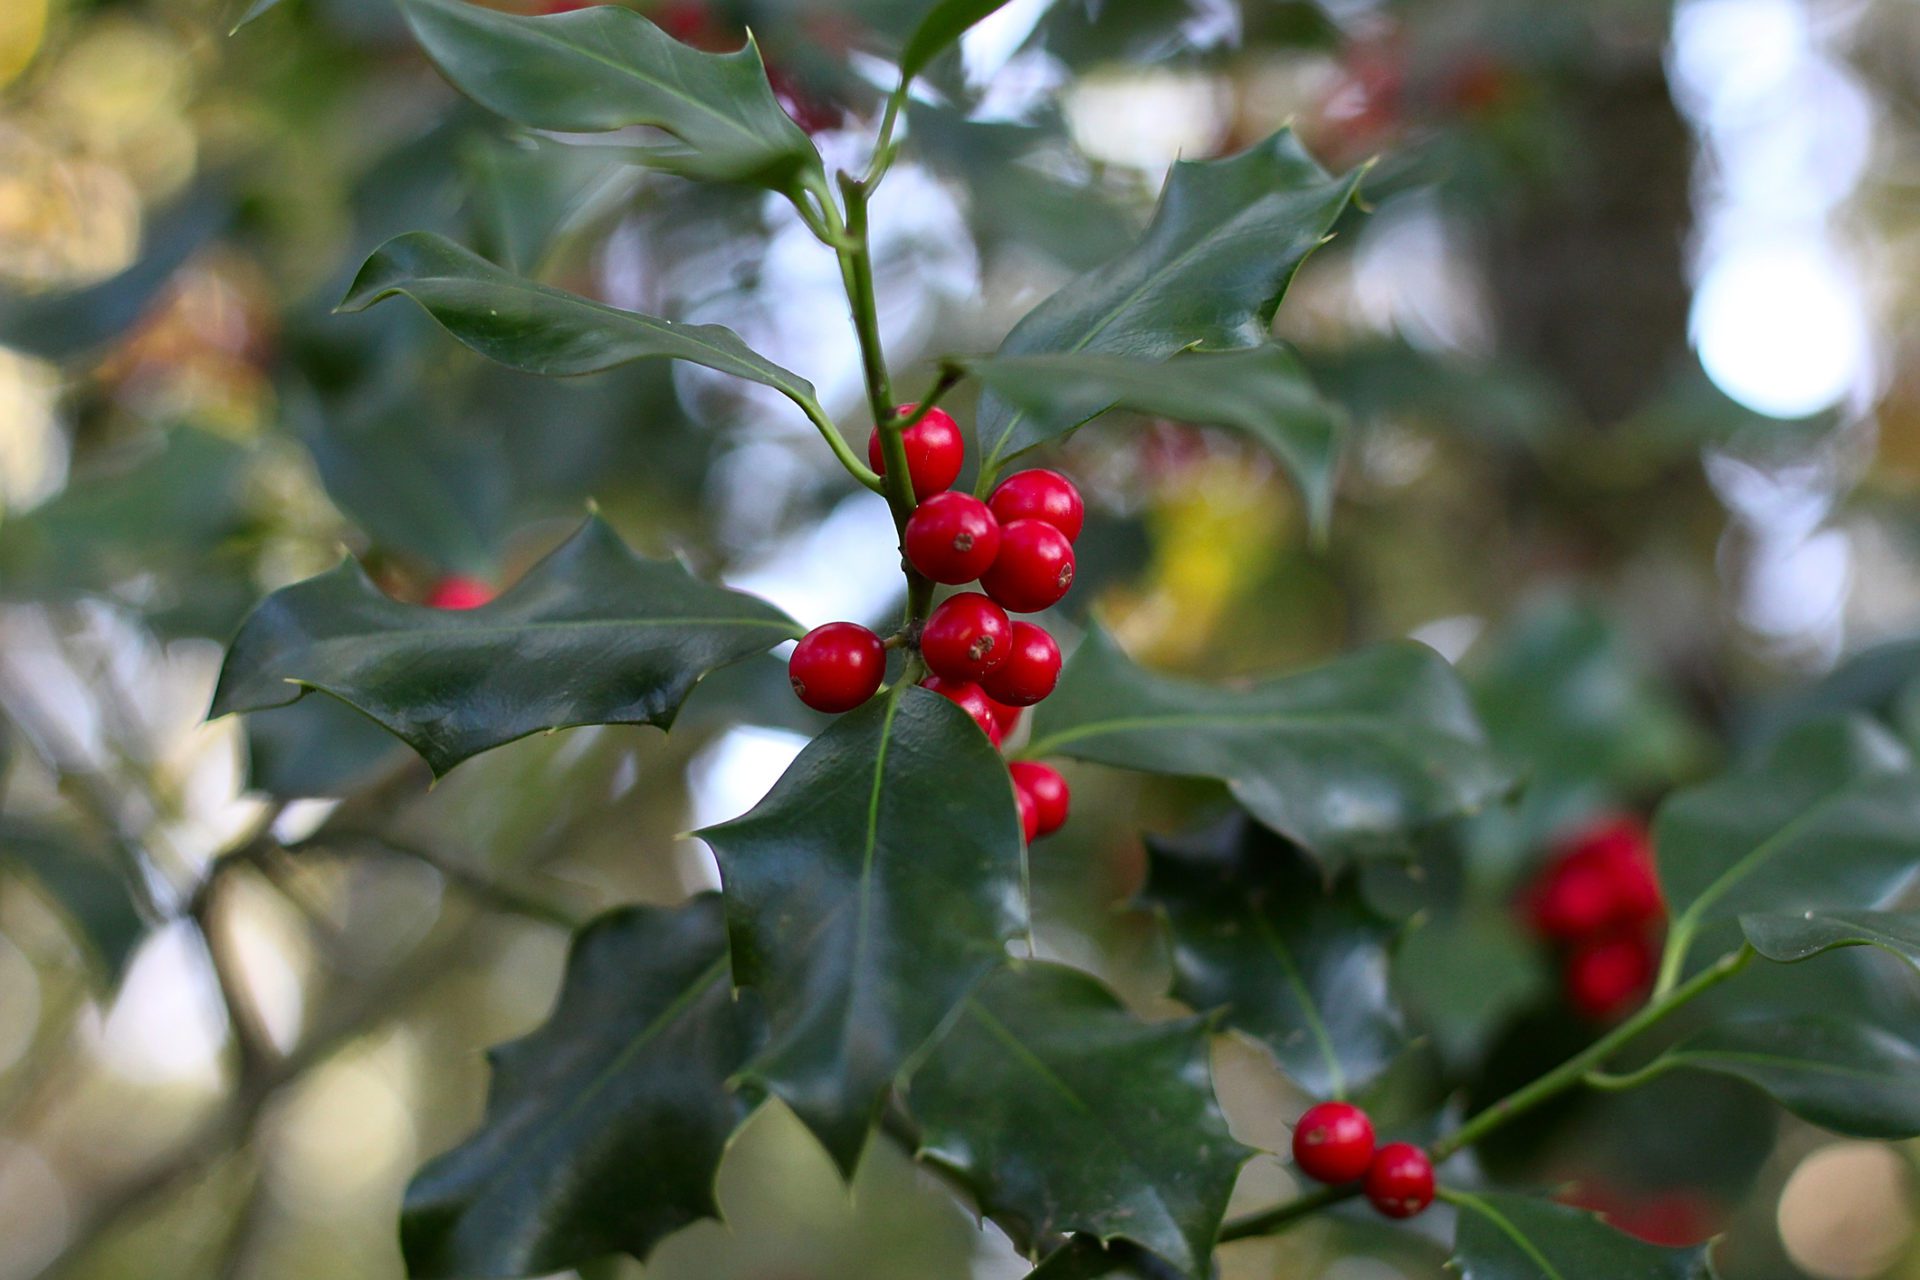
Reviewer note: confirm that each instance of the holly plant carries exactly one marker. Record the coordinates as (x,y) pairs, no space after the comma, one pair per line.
(869,959)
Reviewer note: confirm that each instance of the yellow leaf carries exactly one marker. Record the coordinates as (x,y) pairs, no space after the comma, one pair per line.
(22,24)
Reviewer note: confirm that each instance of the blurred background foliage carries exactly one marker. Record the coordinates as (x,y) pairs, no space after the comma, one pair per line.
(1631,339)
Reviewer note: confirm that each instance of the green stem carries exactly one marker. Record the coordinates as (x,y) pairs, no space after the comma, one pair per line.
(859,470)
(1581,1068)
(856,270)
(1575,1069)
(1271,1220)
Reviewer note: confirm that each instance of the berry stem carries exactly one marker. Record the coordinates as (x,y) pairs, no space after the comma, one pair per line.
(1579,1069)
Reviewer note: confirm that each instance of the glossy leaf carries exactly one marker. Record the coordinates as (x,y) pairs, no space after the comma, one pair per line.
(1829,817)
(606,67)
(256,9)
(1344,759)
(1789,938)
(1064,1112)
(605,1126)
(593,635)
(1299,966)
(1210,270)
(1262,391)
(1501,1236)
(537,329)
(867,895)
(1841,1075)
(944,24)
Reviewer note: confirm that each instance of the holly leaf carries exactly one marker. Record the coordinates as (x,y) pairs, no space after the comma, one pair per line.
(1790,938)
(537,329)
(1842,1075)
(1210,271)
(592,635)
(1064,1112)
(606,67)
(1828,817)
(944,24)
(86,886)
(1502,1236)
(1086,1258)
(878,883)
(605,1126)
(1344,759)
(1263,392)
(1297,964)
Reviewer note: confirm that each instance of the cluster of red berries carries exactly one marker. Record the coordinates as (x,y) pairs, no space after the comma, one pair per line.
(1599,901)
(1333,1143)
(1018,545)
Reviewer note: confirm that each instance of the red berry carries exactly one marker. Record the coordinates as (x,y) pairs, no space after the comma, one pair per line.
(1041,495)
(1604,977)
(1034,567)
(1400,1180)
(1031,669)
(1048,790)
(1574,899)
(935,450)
(459,593)
(1029,815)
(966,636)
(1333,1142)
(837,667)
(952,537)
(968,697)
(1623,848)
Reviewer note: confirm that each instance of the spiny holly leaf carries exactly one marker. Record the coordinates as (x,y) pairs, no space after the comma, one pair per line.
(944,24)
(605,1126)
(1842,1075)
(1827,817)
(592,635)
(605,68)
(1789,938)
(1064,1112)
(1299,966)
(1501,1236)
(1087,1258)
(1343,760)
(1263,391)
(1210,271)
(867,895)
(537,329)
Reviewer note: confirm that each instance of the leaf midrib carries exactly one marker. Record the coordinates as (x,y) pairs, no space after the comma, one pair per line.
(1690,917)
(1510,1231)
(1706,1058)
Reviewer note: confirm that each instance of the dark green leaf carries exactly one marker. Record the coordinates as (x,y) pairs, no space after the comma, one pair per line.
(1513,1237)
(593,635)
(605,1126)
(538,329)
(1064,1112)
(523,194)
(605,68)
(1563,692)
(1464,974)
(1829,817)
(944,24)
(1263,391)
(1344,759)
(88,887)
(1800,936)
(1223,246)
(869,892)
(1299,966)
(1841,1075)
(1086,1258)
